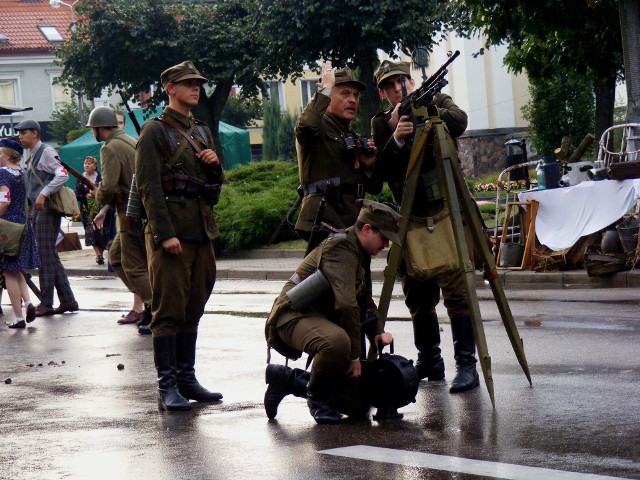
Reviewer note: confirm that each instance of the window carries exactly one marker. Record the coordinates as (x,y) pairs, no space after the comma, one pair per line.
(9,91)
(308,88)
(276,92)
(51,33)
(4,40)
(59,96)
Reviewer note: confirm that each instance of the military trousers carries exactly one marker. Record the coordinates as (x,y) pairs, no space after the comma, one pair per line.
(330,347)
(180,285)
(326,342)
(127,256)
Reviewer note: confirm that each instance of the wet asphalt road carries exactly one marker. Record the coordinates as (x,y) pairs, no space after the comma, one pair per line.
(71,413)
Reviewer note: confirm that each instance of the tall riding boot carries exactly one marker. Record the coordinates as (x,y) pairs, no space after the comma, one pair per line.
(185,360)
(281,382)
(464,346)
(318,394)
(426,334)
(164,355)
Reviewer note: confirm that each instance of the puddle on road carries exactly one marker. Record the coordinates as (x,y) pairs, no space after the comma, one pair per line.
(575,324)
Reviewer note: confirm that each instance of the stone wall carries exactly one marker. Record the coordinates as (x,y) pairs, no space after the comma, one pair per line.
(483,151)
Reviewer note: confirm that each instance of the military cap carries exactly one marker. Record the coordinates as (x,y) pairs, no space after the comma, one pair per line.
(388,69)
(27,125)
(382,217)
(183,71)
(12,144)
(345,75)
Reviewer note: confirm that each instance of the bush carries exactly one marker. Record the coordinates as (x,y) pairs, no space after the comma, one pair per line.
(254,203)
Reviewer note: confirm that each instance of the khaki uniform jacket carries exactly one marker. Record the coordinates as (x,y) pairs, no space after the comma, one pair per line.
(342,261)
(322,154)
(117,156)
(392,161)
(173,215)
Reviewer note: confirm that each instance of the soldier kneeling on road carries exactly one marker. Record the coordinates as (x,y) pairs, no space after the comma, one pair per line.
(319,312)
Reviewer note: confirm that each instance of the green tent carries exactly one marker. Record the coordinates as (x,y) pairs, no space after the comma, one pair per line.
(235,144)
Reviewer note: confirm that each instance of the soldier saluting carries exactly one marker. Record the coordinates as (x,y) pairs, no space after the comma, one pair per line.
(178,176)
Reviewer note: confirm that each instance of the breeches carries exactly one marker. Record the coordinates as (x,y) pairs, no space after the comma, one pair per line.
(319,337)
(180,285)
(131,266)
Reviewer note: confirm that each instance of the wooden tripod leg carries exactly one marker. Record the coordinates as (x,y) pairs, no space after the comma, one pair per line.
(443,153)
(490,269)
(36,291)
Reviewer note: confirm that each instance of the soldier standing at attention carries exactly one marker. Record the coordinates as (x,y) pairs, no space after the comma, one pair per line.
(127,254)
(178,176)
(391,135)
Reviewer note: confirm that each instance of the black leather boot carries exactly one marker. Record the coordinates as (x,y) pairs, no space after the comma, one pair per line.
(426,335)
(164,355)
(281,382)
(464,346)
(318,394)
(185,360)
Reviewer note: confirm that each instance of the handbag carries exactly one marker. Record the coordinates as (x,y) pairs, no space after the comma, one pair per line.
(63,202)
(429,246)
(11,237)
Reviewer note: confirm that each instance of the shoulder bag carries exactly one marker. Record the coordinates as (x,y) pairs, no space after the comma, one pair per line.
(63,202)
(12,234)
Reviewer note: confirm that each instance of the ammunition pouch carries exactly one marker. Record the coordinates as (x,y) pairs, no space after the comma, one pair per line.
(188,186)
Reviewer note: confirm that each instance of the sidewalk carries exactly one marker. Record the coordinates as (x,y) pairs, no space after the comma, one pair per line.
(278,265)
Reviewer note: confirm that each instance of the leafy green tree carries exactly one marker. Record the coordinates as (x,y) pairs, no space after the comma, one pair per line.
(242,112)
(66,121)
(547,39)
(630,30)
(126,44)
(559,106)
(300,32)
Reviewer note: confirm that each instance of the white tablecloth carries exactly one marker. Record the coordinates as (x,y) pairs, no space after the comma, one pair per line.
(566,214)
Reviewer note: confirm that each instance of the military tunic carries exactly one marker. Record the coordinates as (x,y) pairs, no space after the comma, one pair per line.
(117,156)
(181,284)
(342,260)
(322,154)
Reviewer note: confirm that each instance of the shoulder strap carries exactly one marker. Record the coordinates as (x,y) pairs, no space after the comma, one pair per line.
(195,146)
(35,174)
(122,138)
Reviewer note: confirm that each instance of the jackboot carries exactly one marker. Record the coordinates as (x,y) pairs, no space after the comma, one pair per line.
(426,335)
(188,384)
(318,394)
(464,347)
(164,355)
(281,382)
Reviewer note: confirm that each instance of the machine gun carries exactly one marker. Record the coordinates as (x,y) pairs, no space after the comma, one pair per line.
(423,95)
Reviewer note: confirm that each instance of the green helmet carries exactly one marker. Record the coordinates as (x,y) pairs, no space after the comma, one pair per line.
(102,117)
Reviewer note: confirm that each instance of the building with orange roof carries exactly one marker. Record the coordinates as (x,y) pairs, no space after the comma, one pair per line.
(30,31)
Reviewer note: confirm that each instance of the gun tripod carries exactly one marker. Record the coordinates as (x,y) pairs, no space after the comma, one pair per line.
(459,199)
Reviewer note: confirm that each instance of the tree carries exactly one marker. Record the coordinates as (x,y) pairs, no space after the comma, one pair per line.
(65,123)
(547,39)
(630,29)
(272,119)
(242,112)
(126,44)
(559,106)
(286,137)
(301,32)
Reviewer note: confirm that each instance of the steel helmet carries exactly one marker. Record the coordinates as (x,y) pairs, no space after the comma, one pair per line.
(102,117)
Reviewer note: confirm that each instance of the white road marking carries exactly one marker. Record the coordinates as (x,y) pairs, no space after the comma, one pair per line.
(457,464)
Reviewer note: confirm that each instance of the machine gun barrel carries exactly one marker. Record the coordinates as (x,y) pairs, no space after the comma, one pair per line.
(81,178)
(133,118)
(429,87)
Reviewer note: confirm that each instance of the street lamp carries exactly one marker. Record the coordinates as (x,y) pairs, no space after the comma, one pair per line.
(58,4)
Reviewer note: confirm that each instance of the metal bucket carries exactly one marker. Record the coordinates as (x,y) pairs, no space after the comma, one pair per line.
(628,233)
(511,255)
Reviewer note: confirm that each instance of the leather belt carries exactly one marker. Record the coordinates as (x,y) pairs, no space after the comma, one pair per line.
(355,189)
